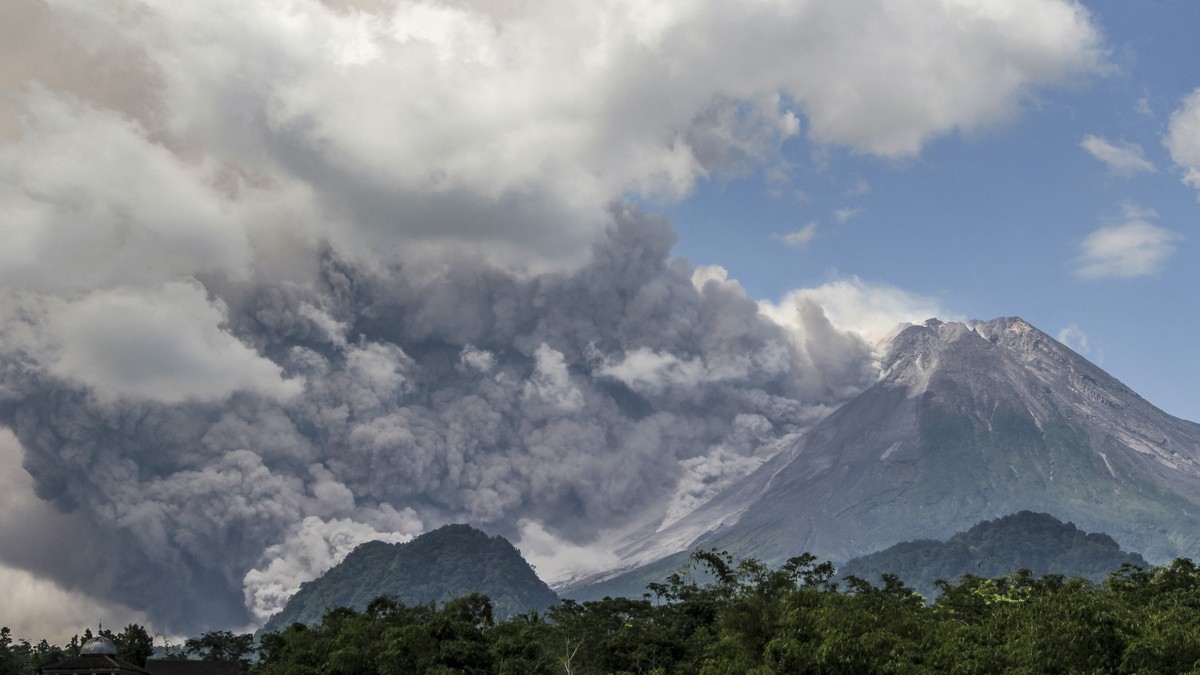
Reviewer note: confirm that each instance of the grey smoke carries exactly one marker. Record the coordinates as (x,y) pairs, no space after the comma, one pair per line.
(220,412)
(576,400)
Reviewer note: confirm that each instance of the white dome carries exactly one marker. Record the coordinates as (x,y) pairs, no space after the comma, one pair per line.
(99,645)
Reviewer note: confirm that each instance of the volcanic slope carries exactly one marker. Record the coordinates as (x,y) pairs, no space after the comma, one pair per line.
(968,422)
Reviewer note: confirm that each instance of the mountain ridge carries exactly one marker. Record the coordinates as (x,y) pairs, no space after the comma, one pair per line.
(968,422)
(1038,542)
(442,564)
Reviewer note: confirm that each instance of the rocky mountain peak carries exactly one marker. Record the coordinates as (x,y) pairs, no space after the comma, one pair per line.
(970,421)
(1004,348)
(983,417)
(933,335)
(913,353)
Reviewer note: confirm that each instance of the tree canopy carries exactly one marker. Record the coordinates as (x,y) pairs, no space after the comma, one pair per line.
(721,615)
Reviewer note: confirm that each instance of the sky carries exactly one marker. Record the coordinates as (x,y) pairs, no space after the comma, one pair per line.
(281,277)
(1031,217)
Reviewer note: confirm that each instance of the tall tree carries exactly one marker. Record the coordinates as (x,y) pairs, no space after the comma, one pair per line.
(220,646)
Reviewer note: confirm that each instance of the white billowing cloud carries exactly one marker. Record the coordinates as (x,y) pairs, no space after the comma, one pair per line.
(648,371)
(435,121)
(704,478)
(1073,337)
(88,200)
(799,237)
(312,547)
(551,381)
(703,274)
(477,359)
(845,214)
(1123,159)
(167,345)
(1134,248)
(847,104)
(871,311)
(1183,138)
(556,559)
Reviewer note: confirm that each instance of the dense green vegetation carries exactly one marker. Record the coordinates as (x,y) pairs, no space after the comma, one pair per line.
(134,645)
(748,618)
(752,619)
(21,657)
(449,562)
(1035,541)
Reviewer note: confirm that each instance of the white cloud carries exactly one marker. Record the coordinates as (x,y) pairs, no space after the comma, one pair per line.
(1183,138)
(798,237)
(843,215)
(904,36)
(556,559)
(870,310)
(704,477)
(88,200)
(166,345)
(550,382)
(652,372)
(312,547)
(1123,159)
(703,274)
(480,360)
(1135,248)
(858,188)
(1074,338)
(534,115)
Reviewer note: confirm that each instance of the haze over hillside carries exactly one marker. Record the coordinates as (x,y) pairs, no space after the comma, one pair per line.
(1037,542)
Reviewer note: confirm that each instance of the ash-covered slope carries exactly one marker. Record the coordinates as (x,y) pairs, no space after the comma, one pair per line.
(969,422)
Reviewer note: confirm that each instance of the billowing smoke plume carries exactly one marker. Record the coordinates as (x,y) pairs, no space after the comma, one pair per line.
(280,277)
(407,397)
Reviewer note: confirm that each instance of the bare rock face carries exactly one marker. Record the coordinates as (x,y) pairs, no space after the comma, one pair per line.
(970,422)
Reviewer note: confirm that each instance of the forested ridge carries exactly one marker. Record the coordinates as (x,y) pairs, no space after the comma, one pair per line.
(1038,542)
(747,618)
(449,562)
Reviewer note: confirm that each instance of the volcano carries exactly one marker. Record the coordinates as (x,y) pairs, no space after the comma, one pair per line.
(968,422)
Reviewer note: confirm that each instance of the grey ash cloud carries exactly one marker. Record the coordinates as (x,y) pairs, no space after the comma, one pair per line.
(575,400)
(260,302)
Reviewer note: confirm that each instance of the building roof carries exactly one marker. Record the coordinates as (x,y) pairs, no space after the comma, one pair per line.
(99,645)
(94,664)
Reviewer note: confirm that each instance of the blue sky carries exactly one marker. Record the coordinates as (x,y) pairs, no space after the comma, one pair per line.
(991,223)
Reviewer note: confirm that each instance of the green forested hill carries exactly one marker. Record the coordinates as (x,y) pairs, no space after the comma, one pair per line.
(748,618)
(721,615)
(1035,541)
(452,561)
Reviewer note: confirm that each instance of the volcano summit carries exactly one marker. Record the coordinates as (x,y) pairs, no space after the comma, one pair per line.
(969,421)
